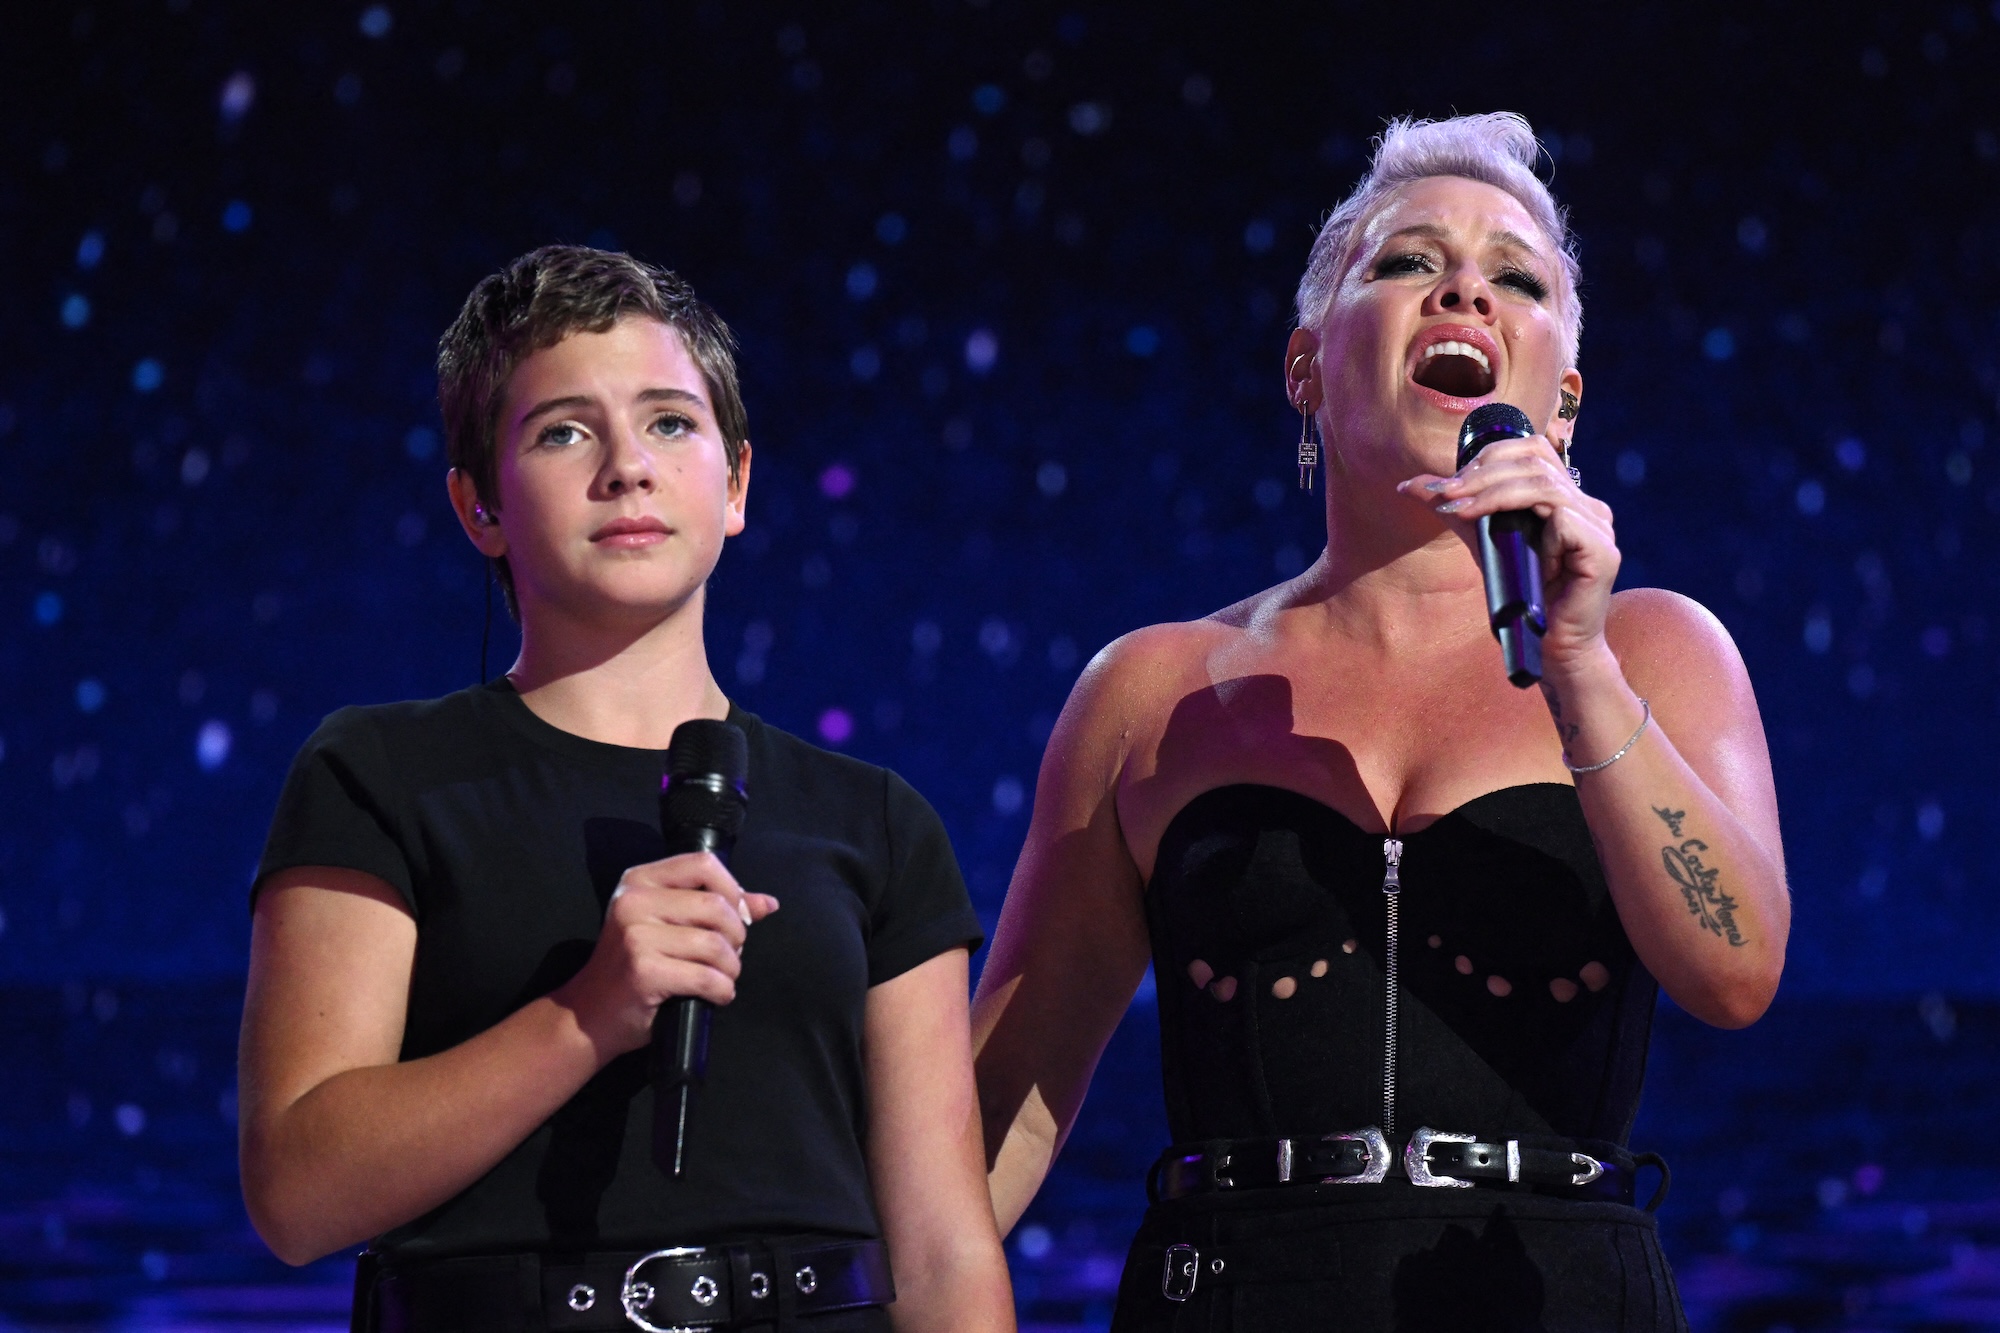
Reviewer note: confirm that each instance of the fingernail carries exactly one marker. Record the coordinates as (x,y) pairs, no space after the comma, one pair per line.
(1435,486)
(743,910)
(1451,506)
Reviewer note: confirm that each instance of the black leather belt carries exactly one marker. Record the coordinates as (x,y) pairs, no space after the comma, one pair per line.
(681,1289)
(1571,1168)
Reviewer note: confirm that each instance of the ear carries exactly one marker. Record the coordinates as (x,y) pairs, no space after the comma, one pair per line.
(1302,386)
(1558,427)
(739,494)
(483,533)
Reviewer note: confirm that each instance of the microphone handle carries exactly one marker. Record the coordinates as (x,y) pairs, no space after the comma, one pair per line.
(680,1030)
(1510,558)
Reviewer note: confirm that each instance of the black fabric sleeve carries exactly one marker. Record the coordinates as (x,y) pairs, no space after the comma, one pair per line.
(337,808)
(924,909)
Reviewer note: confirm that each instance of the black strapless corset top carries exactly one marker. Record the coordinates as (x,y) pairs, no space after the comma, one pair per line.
(1521,1008)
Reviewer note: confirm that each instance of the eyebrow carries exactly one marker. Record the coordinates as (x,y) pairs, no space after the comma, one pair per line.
(1433,231)
(549,405)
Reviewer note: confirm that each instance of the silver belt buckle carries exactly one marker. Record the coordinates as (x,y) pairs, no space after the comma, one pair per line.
(635,1295)
(1182,1271)
(1377,1146)
(1416,1159)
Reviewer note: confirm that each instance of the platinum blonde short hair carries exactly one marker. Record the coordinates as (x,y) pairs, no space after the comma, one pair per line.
(1498,148)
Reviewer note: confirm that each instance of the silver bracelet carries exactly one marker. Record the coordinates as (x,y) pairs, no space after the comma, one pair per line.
(1644,722)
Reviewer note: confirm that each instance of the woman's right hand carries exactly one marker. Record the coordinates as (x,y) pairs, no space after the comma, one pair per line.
(674,927)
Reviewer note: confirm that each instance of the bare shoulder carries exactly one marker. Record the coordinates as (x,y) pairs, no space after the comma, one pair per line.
(1673,648)
(1137,673)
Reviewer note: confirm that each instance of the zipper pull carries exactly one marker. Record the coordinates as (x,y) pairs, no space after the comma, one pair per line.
(1392,875)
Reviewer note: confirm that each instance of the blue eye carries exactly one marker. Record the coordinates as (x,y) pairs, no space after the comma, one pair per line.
(1526,283)
(560,434)
(673,424)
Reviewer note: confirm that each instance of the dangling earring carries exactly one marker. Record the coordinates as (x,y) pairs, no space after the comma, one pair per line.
(1567,412)
(1308,445)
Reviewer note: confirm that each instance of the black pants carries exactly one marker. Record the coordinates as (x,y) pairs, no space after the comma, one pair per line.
(1399,1260)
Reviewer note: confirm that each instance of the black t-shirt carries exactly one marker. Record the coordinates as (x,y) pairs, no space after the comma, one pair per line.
(506,836)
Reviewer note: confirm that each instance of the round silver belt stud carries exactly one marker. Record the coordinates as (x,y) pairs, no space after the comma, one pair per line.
(704,1290)
(1215,1265)
(807,1280)
(639,1294)
(760,1286)
(582,1296)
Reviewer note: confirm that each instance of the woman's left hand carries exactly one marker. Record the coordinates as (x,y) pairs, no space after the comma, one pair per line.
(1579,548)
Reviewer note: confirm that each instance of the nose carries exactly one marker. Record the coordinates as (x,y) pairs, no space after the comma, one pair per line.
(1463,287)
(627,463)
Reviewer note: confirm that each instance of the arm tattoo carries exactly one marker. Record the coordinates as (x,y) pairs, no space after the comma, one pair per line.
(1707,903)
(1564,732)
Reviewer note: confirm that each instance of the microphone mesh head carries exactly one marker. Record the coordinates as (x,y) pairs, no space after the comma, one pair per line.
(1489,422)
(702,746)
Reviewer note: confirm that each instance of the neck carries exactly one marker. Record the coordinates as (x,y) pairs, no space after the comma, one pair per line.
(623,684)
(1393,575)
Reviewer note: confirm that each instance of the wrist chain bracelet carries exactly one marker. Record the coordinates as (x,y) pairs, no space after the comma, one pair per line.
(1644,722)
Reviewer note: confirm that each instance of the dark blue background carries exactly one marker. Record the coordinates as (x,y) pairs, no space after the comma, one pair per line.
(221,488)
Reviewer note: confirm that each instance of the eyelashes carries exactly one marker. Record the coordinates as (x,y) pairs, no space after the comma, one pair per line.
(562,434)
(1396,266)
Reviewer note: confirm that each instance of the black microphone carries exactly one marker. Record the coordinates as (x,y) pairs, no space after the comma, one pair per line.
(702,803)
(1509,552)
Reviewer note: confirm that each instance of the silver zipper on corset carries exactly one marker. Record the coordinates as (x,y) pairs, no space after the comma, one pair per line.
(1392,887)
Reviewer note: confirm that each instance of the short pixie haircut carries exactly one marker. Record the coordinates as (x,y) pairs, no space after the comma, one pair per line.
(1498,148)
(535,302)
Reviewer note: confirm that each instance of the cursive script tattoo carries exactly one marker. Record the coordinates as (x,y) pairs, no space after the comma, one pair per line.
(1707,903)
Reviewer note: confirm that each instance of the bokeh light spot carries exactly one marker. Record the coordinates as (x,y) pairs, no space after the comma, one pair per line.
(236,216)
(211,744)
(1718,344)
(1810,497)
(890,229)
(75,311)
(376,21)
(836,726)
(48,608)
(148,375)
(861,281)
(982,349)
(1258,236)
(837,481)
(239,94)
(89,694)
(1008,796)
(1142,340)
(90,250)
(420,443)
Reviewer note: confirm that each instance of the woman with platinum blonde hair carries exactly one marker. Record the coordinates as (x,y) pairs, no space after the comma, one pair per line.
(1408,921)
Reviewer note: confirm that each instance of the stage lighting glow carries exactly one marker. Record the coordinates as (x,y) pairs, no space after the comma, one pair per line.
(90,250)
(148,375)
(420,443)
(48,608)
(239,94)
(1258,236)
(982,349)
(236,216)
(1142,340)
(836,726)
(75,311)
(890,229)
(837,481)
(861,281)
(376,21)
(1008,796)
(1718,344)
(211,744)
(90,694)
